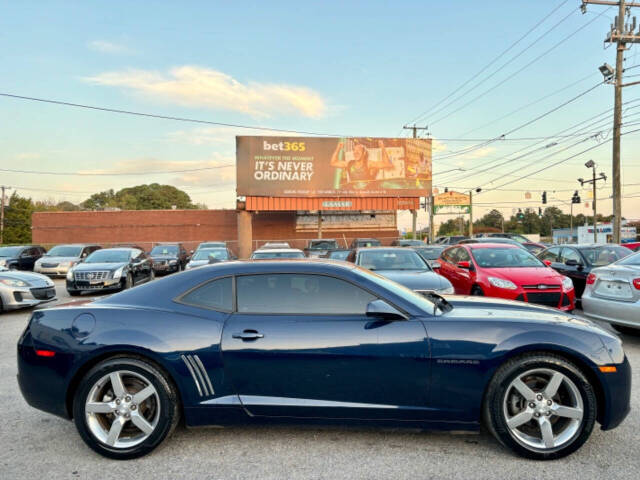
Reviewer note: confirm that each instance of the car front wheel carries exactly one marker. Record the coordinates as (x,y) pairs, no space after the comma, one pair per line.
(125,407)
(541,406)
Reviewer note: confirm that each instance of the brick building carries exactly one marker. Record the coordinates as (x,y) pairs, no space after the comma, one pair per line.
(146,227)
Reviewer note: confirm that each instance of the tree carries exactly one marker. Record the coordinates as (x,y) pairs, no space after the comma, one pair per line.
(454,226)
(141,197)
(17,219)
(492,220)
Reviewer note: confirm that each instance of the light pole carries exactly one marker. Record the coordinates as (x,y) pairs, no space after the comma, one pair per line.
(574,199)
(591,164)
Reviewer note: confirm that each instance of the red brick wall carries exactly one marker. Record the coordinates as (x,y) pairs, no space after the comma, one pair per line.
(145,227)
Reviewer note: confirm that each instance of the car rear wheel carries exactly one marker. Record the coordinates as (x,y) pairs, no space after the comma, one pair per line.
(541,406)
(125,407)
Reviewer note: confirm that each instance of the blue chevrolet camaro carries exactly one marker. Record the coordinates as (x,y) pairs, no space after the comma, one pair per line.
(319,341)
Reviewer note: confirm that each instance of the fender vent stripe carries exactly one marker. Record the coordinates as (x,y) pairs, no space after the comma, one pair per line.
(199,374)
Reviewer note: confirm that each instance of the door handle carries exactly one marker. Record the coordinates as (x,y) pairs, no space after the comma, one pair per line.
(248,335)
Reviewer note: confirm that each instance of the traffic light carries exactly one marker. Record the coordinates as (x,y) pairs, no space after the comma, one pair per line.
(520,215)
(544,197)
(575,198)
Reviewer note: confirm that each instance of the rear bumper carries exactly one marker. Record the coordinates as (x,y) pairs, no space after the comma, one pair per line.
(612,311)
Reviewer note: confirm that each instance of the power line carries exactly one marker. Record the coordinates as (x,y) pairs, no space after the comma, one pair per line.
(105,174)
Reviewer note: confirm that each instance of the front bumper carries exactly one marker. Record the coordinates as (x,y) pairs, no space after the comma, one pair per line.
(617,392)
(612,311)
(14,298)
(561,299)
(165,268)
(85,286)
(57,271)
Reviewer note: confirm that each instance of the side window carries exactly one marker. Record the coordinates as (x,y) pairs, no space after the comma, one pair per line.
(135,254)
(551,254)
(570,254)
(215,295)
(463,255)
(446,255)
(291,293)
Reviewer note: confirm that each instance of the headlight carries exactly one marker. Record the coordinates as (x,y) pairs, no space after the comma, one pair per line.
(567,283)
(70,274)
(447,290)
(502,283)
(172,262)
(13,283)
(3,262)
(66,264)
(118,273)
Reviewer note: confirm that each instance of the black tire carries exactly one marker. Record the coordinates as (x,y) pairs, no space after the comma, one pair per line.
(494,416)
(168,415)
(477,291)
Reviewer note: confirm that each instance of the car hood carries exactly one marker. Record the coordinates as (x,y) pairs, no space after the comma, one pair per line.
(90,267)
(34,279)
(490,308)
(416,279)
(47,259)
(526,275)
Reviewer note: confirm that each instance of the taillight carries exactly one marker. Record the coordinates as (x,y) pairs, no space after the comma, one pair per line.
(636,283)
(45,353)
(591,279)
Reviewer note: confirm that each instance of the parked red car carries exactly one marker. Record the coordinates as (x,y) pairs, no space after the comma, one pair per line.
(505,271)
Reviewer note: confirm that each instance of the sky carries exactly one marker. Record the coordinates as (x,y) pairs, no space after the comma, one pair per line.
(355,68)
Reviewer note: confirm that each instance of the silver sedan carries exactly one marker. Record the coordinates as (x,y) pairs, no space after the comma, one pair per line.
(612,293)
(24,289)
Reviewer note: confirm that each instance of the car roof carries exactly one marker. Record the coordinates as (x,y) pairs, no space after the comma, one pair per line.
(383,248)
(122,249)
(487,245)
(278,250)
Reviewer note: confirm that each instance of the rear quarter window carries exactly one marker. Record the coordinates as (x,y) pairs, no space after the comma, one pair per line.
(214,295)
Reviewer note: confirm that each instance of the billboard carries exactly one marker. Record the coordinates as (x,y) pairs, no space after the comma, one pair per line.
(452,203)
(333,167)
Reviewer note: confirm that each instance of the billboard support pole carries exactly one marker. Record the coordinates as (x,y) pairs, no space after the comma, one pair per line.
(414,213)
(319,223)
(470,214)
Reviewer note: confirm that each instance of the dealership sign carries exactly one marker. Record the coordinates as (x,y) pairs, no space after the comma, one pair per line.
(333,167)
(452,203)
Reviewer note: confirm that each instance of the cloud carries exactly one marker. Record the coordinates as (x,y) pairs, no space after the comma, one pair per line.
(213,173)
(113,48)
(202,87)
(28,156)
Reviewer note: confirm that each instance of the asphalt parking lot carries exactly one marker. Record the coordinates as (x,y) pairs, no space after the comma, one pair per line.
(34,444)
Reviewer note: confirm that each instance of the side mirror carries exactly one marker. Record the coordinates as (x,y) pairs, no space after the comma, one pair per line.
(435,264)
(382,310)
(465,264)
(571,263)
(547,262)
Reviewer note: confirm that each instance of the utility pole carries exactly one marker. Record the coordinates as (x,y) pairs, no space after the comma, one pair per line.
(470,214)
(3,187)
(414,212)
(574,199)
(621,33)
(591,164)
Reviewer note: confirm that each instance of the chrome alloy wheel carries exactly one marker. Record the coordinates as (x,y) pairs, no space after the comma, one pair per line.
(543,409)
(122,409)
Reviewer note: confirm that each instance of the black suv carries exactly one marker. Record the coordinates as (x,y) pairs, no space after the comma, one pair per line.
(21,257)
(169,258)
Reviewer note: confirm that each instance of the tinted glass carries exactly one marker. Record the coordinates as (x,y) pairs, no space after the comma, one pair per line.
(551,254)
(267,255)
(429,253)
(463,255)
(570,254)
(218,254)
(300,294)
(211,245)
(64,251)
(165,250)
(392,260)
(216,295)
(9,251)
(505,258)
(109,256)
(339,254)
(599,256)
(323,244)
(631,260)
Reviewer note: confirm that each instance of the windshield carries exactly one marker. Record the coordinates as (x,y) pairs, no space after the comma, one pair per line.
(519,238)
(109,256)
(323,244)
(505,258)
(64,251)
(430,253)
(165,250)
(392,260)
(9,251)
(599,256)
(265,255)
(211,245)
(218,254)
(368,243)
(405,293)
(630,260)
(339,254)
